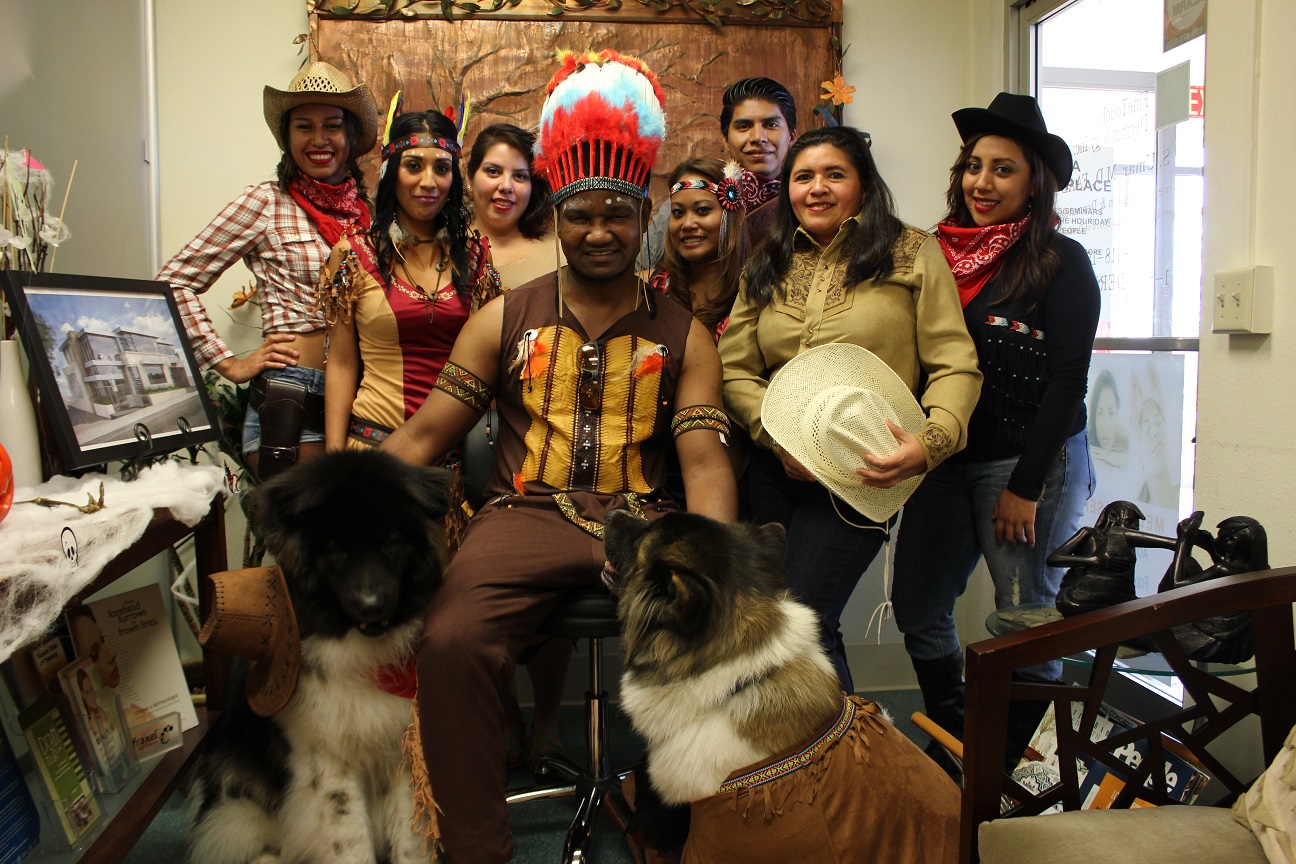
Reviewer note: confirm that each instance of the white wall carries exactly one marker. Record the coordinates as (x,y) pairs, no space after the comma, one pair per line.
(73,89)
(1246,449)
(912,65)
(212,64)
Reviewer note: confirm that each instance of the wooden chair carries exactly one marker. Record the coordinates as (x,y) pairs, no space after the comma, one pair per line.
(1217,704)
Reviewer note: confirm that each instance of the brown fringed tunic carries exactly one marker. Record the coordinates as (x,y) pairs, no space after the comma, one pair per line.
(859,791)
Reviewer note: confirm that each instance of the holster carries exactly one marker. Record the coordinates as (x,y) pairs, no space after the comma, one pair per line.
(286,409)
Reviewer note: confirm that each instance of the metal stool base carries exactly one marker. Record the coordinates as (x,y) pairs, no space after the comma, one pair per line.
(591,784)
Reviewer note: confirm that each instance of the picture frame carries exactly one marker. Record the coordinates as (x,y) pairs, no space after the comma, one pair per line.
(115,372)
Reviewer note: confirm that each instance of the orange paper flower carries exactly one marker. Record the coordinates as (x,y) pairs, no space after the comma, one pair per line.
(838,91)
(243,295)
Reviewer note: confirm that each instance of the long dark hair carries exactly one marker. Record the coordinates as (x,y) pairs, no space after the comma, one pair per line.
(287,168)
(453,218)
(537,220)
(732,252)
(1031,264)
(878,230)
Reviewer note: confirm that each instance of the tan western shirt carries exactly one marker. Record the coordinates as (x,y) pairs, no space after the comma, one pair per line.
(912,320)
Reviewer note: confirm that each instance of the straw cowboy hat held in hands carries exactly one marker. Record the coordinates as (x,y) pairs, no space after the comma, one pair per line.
(828,408)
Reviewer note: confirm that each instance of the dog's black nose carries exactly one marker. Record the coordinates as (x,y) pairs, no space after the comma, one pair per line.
(371,607)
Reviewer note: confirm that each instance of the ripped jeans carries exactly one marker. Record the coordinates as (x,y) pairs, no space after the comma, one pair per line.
(947,528)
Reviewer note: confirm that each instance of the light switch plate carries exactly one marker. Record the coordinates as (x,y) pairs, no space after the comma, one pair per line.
(1242,301)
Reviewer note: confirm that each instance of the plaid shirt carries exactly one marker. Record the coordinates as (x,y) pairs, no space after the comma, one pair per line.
(273,236)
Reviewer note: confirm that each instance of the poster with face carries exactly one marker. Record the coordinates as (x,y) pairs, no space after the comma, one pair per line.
(1136,438)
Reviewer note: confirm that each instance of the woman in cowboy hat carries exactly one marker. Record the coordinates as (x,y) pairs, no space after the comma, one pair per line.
(1019,488)
(838,266)
(283,230)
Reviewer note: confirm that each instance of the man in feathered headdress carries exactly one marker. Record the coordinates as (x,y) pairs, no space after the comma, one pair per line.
(595,379)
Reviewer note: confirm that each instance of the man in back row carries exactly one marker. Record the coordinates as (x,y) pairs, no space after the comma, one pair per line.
(758,121)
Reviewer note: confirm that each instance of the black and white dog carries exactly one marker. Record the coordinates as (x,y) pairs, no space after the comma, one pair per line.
(359,538)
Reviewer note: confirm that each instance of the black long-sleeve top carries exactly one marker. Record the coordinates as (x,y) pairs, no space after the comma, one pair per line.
(1036,368)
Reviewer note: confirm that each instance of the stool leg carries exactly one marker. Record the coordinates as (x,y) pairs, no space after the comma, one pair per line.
(592,787)
(596,709)
(580,835)
(597,783)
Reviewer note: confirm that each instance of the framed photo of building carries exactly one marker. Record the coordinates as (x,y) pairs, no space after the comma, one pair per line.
(115,373)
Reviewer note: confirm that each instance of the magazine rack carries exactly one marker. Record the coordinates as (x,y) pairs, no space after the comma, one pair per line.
(1216,704)
(129,818)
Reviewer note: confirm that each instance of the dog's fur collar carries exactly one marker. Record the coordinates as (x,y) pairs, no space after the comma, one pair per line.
(697,728)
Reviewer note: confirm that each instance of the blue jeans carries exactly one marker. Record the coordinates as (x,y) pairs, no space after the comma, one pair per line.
(947,528)
(825,556)
(311,379)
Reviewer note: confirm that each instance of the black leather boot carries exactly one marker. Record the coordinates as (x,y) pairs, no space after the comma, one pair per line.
(941,683)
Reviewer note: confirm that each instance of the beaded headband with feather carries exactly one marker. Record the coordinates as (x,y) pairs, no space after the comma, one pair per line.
(601,125)
(728,190)
(390,148)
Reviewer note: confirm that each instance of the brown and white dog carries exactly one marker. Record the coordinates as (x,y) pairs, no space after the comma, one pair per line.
(742,712)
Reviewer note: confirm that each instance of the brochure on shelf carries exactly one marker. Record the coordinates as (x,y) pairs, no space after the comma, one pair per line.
(95,716)
(32,672)
(74,804)
(128,637)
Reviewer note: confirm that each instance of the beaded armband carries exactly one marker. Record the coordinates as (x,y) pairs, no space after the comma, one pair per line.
(463,385)
(700,417)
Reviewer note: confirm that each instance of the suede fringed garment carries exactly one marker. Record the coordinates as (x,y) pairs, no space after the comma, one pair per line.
(426,820)
(859,791)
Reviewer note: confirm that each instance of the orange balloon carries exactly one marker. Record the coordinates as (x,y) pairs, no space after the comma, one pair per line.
(6,483)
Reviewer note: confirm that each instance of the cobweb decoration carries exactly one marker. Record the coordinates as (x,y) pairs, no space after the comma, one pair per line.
(38,576)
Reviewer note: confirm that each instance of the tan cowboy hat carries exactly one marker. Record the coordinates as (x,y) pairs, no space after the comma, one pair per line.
(321,83)
(252,617)
(828,407)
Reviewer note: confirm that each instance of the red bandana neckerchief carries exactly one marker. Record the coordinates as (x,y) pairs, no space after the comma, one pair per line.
(400,680)
(753,191)
(974,253)
(332,209)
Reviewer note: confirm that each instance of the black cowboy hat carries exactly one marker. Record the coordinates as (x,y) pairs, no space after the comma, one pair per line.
(1019,118)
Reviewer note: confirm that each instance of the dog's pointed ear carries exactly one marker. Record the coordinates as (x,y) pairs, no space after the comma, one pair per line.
(772,540)
(270,508)
(630,525)
(431,490)
(690,600)
(275,515)
(621,537)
